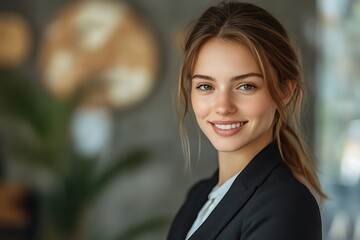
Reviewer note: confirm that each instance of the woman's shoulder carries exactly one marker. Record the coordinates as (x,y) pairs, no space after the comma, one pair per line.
(283,196)
(282,187)
(282,202)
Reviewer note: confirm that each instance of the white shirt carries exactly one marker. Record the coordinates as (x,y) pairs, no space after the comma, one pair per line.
(214,197)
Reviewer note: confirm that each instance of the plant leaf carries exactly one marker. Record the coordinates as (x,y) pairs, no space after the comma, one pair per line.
(130,161)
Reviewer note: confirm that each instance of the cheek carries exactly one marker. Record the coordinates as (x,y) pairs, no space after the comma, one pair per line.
(262,108)
(199,106)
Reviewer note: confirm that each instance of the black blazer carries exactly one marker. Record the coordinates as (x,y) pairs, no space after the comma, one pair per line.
(265,202)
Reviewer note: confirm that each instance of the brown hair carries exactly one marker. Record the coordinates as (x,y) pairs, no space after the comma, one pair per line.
(279,62)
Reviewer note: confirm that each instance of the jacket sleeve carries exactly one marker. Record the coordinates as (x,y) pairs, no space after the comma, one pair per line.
(272,216)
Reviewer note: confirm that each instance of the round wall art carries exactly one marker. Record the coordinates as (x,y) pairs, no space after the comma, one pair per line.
(102,50)
(15,39)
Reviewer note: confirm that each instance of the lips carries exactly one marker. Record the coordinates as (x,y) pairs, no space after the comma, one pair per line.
(227,128)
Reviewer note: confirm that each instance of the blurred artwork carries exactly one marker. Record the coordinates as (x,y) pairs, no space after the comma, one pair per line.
(101,50)
(15,40)
(104,55)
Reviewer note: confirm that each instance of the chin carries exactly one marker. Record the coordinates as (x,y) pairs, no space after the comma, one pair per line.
(227,147)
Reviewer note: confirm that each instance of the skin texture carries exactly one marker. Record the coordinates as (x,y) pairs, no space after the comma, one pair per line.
(228,88)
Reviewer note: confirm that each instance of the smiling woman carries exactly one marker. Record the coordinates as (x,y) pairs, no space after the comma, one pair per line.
(235,110)
(245,82)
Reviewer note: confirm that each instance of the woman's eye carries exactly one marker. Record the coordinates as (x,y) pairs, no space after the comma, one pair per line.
(205,87)
(247,87)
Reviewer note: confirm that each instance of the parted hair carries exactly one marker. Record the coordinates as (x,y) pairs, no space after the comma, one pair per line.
(279,62)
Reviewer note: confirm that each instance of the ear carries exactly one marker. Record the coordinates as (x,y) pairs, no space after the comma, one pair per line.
(289,90)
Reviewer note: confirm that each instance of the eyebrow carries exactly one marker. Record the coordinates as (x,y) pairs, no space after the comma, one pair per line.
(239,77)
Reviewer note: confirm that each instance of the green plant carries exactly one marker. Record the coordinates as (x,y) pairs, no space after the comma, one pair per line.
(35,127)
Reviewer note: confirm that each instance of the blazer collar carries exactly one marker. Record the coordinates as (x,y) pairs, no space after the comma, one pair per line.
(188,212)
(253,175)
(261,166)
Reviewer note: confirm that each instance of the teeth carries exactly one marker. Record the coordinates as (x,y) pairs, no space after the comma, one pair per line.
(228,126)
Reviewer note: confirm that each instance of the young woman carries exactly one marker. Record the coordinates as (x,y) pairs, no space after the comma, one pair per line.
(243,76)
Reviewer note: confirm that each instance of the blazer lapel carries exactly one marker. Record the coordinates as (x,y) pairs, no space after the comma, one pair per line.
(188,212)
(239,193)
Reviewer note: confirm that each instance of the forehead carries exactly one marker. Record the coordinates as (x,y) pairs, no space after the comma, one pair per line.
(219,56)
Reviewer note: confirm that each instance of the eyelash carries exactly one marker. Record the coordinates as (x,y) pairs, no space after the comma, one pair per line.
(253,87)
(246,85)
(201,87)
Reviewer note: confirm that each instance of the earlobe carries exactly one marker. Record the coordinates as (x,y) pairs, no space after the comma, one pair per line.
(288,93)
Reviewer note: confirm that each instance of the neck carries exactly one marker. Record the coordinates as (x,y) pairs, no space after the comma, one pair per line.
(231,163)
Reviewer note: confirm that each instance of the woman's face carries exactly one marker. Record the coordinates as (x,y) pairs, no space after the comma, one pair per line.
(229,97)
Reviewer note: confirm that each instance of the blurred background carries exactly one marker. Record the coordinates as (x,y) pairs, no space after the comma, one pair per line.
(89,144)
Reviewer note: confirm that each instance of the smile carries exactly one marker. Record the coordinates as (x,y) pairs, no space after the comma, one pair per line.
(229,126)
(227,129)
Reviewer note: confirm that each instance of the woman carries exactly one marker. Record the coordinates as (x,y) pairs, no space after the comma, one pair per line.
(243,76)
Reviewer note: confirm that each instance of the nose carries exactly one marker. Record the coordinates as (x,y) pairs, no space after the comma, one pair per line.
(225,104)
